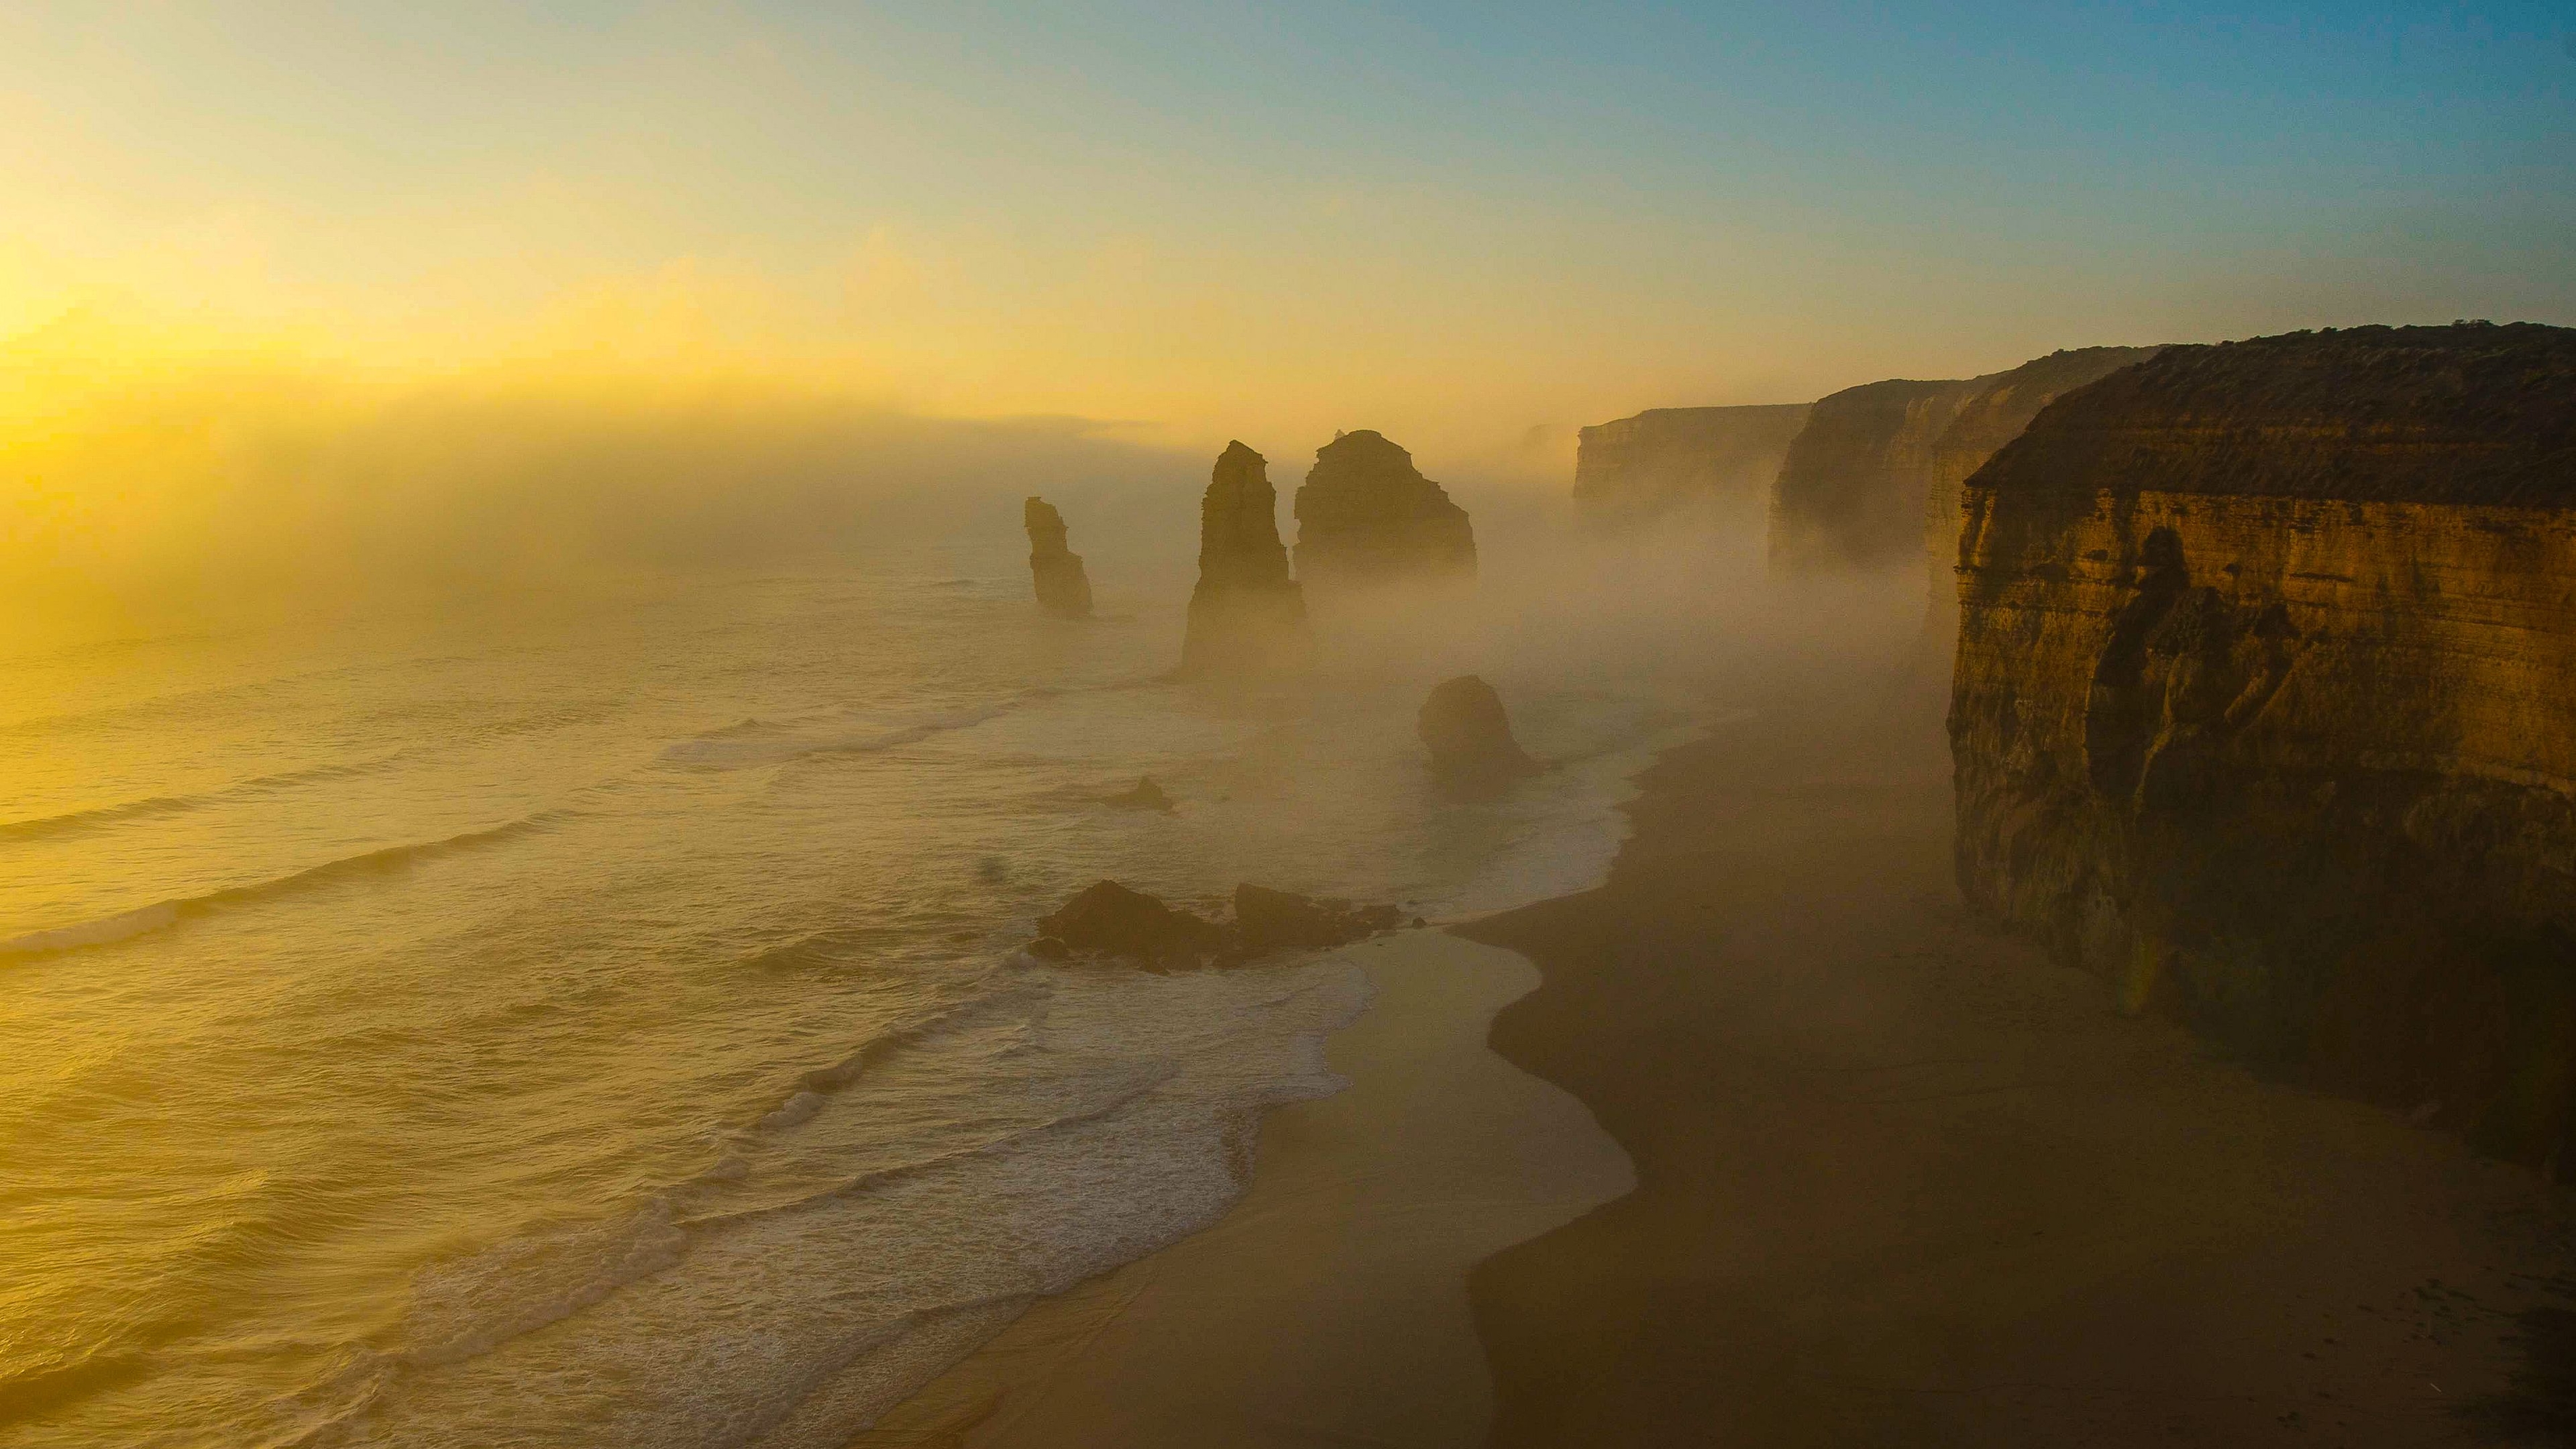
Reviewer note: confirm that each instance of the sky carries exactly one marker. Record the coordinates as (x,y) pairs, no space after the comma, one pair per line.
(1473,227)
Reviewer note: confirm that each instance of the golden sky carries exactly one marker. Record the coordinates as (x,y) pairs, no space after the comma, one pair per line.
(230,229)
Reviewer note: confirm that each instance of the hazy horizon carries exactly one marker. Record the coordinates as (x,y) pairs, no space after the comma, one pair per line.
(249,255)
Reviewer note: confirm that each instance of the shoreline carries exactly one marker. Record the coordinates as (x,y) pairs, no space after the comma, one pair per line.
(1330,1303)
(1902,1180)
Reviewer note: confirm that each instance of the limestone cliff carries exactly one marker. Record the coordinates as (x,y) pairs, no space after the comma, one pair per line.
(1246,614)
(1714,461)
(1995,415)
(1851,490)
(1366,517)
(2265,706)
(1063,588)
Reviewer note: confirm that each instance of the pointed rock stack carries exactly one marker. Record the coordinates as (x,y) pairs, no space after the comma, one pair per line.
(1063,588)
(1367,517)
(1246,615)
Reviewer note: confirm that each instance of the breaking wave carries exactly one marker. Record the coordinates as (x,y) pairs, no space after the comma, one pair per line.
(79,822)
(127,924)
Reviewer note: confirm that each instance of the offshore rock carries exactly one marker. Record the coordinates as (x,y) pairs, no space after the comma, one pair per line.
(1063,588)
(1470,738)
(1113,920)
(1715,463)
(1366,517)
(2265,707)
(1268,920)
(1146,796)
(1109,920)
(1246,614)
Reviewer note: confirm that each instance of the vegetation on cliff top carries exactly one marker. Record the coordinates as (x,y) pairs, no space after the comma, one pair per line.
(2469,413)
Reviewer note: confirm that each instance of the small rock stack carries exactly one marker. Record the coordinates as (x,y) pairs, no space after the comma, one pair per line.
(1470,739)
(1063,588)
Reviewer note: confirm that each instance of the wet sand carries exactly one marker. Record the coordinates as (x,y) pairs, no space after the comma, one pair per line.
(1904,1182)
(1330,1306)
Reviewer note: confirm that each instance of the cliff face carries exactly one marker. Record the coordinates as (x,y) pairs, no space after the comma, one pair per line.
(1366,516)
(1245,614)
(2265,706)
(1063,588)
(1993,416)
(1638,470)
(1851,491)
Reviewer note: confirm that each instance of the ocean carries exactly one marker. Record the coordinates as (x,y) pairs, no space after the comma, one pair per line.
(597,1018)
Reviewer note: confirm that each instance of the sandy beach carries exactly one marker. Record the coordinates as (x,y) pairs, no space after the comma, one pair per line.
(1330,1306)
(1898,1180)
(1905,1182)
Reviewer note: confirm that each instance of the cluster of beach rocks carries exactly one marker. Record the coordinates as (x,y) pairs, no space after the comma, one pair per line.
(1109,920)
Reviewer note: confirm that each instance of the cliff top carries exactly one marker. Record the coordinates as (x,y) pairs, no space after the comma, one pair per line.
(2469,413)
(1686,418)
(1895,392)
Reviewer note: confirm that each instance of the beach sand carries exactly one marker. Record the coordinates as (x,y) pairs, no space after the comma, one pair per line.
(1900,1181)
(1330,1305)
(1904,1182)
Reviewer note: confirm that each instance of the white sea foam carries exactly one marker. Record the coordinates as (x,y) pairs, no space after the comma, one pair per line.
(715,1106)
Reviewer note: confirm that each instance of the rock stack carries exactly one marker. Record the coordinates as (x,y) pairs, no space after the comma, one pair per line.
(1366,516)
(1470,738)
(1246,615)
(1063,589)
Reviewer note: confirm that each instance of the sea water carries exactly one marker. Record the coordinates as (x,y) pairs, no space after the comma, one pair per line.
(598,1020)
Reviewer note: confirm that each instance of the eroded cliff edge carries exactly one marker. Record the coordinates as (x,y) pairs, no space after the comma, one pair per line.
(1721,461)
(1850,494)
(1994,416)
(2265,707)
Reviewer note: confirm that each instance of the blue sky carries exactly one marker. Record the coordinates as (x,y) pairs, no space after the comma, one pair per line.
(1464,217)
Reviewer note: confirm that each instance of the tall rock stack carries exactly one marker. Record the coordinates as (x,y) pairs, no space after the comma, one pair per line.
(1366,517)
(1711,464)
(2265,707)
(1063,589)
(1246,615)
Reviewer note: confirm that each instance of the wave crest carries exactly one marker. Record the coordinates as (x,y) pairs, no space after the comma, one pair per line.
(126,924)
